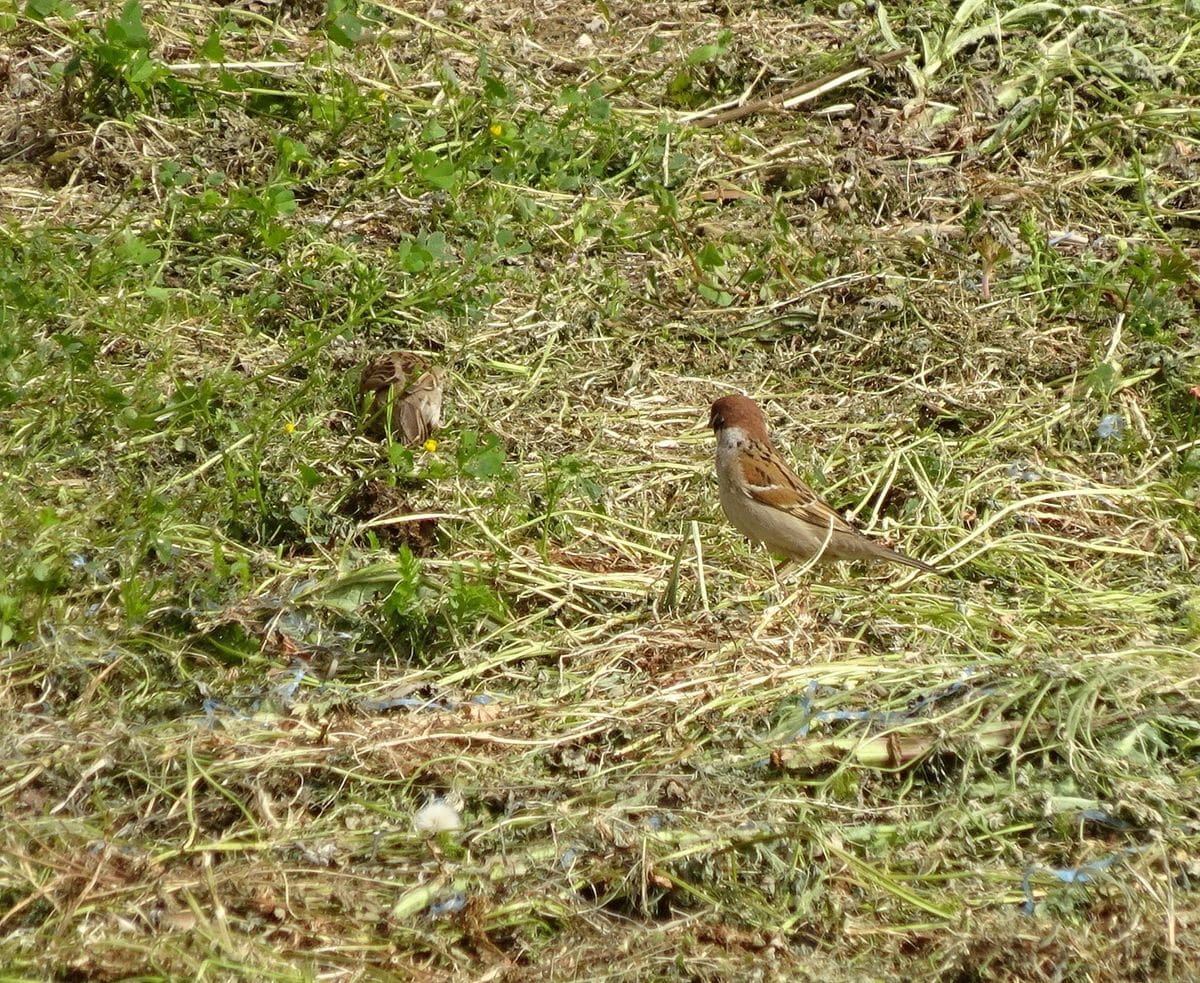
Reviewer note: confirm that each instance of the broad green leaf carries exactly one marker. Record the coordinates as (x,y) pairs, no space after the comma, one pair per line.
(710,52)
(345,29)
(433,170)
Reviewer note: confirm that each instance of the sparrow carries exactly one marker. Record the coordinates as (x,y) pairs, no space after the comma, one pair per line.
(764,499)
(414,409)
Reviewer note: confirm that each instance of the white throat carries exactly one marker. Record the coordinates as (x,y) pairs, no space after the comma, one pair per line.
(731,438)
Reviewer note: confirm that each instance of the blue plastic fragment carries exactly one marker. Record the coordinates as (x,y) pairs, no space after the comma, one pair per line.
(214,710)
(392,702)
(210,707)
(806,708)
(1105,819)
(882,718)
(1070,875)
(826,715)
(454,903)
(287,689)
(1110,425)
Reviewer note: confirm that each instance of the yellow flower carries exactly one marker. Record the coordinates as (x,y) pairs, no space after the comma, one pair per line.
(289,427)
(496,129)
(430,445)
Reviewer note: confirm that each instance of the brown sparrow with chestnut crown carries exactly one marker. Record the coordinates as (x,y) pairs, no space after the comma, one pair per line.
(765,500)
(412,409)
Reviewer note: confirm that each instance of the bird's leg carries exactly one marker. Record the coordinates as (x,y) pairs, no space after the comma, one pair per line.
(781,601)
(773,612)
(777,594)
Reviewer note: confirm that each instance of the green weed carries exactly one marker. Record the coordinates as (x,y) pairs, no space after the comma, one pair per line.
(242,643)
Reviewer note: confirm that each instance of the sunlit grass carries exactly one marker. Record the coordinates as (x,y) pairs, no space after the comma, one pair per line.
(243,644)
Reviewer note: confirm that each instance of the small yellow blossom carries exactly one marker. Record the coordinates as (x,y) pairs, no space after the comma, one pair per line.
(496,129)
(289,427)
(380,95)
(430,445)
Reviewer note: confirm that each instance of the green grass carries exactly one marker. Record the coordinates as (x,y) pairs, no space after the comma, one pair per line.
(241,645)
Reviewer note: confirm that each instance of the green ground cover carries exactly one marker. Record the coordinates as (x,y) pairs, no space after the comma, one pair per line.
(243,646)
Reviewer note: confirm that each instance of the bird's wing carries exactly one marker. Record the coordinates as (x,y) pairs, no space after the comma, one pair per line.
(413,424)
(421,408)
(385,371)
(777,486)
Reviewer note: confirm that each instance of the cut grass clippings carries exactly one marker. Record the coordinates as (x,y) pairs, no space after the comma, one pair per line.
(286,700)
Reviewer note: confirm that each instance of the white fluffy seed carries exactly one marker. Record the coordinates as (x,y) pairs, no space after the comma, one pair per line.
(437,816)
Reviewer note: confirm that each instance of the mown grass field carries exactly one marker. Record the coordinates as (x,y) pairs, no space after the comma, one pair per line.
(953,252)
